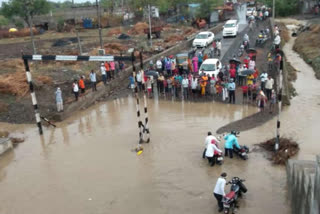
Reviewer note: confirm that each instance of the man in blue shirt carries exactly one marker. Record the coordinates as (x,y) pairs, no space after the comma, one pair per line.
(231,140)
(232,89)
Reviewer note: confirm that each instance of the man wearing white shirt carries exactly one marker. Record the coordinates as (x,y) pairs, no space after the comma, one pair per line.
(185,86)
(263,79)
(139,80)
(269,87)
(218,191)
(211,150)
(159,65)
(103,73)
(208,140)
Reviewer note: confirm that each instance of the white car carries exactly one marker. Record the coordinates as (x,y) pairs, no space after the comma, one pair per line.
(250,11)
(230,28)
(203,39)
(211,67)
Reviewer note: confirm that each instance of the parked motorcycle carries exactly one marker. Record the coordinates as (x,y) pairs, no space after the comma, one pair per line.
(242,152)
(230,200)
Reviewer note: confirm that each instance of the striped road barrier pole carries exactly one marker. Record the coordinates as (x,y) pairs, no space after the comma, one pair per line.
(140,124)
(33,96)
(277,144)
(146,130)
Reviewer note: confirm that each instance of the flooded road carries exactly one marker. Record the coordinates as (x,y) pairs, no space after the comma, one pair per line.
(89,157)
(86,165)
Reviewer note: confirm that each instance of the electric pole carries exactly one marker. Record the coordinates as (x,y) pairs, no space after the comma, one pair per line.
(28,4)
(99,23)
(273,9)
(75,27)
(150,32)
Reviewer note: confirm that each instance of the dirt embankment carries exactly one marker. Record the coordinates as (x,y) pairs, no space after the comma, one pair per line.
(15,102)
(308,46)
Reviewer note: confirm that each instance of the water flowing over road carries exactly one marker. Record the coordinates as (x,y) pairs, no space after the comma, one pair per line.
(86,165)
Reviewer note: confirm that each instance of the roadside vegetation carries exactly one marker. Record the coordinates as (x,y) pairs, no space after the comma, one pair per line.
(284,7)
(308,46)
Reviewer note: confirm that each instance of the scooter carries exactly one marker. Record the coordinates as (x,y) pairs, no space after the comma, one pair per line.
(262,38)
(230,200)
(242,152)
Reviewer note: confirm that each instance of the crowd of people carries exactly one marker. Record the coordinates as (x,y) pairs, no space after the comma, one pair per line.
(192,83)
(188,82)
(108,71)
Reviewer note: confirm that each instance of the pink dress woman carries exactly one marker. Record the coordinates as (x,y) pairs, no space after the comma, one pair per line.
(195,64)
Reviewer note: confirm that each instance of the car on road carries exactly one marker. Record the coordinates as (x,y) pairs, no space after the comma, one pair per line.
(230,28)
(203,39)
(250,11)
(211,67)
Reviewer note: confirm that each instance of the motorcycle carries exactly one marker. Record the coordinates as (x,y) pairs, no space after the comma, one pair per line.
(218,158)
(242,152)
(262,38)
(230,200)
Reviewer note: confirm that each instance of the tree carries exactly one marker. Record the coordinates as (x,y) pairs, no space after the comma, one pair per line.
(3,21)
(284,7)
(25,8)
(108,4)
(207,6)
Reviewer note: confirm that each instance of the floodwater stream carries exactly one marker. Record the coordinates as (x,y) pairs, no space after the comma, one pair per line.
(86,164)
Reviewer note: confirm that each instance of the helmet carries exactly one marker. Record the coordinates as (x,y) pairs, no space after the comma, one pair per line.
(234,132)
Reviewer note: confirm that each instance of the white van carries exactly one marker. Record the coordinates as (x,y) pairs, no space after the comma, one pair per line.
(230,28)
(211,67)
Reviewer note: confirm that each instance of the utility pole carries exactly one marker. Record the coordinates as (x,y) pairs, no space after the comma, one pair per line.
(273,9)
(31,34)
(75,27)
(150,32)
(99,23)
(28,4)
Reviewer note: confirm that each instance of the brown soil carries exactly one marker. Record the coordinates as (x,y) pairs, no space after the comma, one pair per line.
(174,38)
(138,28)
(308,46)
(287,149)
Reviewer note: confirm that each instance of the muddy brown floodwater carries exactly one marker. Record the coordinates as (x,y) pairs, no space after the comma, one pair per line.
(86,165)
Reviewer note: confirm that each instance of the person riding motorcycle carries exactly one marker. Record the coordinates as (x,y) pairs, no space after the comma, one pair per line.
(212,150)
(246,38)
(231,141)
(208,140)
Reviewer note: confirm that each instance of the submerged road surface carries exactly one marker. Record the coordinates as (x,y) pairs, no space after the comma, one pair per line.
(86,164)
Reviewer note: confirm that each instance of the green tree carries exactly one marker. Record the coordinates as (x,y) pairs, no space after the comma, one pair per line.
(284,7)
(108,4)
(24,8)
(207,6)
(3,21)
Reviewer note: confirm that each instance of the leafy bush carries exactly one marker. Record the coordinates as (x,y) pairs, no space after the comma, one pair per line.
(60,25)
(19,24)
(3,21)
